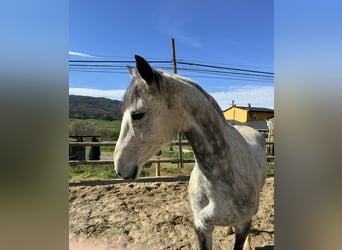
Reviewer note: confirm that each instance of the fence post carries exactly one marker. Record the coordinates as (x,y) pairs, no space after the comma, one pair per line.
(174,63)
(158,169)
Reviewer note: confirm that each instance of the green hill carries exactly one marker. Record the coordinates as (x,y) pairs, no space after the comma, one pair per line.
(87,107)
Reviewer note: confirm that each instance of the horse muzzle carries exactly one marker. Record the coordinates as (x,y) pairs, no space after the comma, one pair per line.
(128,173)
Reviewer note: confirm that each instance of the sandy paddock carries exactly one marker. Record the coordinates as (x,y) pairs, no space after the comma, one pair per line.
(151,215)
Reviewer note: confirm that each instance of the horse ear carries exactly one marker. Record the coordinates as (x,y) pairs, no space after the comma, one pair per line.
(144,69)
(132,71)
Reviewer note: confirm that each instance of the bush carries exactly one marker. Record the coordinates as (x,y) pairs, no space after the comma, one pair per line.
(94,127)
(77,128)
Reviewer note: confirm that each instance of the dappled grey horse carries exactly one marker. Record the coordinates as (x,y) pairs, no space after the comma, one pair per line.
(230,167)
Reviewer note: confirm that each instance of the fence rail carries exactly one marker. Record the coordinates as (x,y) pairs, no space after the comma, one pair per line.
(109,162)
(158,160)
(113,143)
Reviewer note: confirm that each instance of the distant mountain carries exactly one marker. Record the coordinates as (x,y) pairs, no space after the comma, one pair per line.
(87,107)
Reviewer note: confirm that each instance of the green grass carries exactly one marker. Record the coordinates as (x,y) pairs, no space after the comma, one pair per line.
(167,153)
(167,169)
(115,124)
(270,169)
(149,170)
(108,172)
(107,150)
(91,173)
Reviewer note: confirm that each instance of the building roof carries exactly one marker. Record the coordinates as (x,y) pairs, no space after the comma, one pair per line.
(258,125)
(251,108)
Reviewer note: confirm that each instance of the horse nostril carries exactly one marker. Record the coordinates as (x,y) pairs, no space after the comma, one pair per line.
(129,176)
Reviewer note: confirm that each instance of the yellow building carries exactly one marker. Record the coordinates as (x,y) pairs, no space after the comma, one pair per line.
(239,114)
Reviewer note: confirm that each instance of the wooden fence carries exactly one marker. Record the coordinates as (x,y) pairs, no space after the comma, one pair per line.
(158,160)
(269,150)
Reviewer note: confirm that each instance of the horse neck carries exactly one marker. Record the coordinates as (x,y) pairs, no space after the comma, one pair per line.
(205,128)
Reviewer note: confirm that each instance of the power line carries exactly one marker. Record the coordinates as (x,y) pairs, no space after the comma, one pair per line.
(116,61)
(202,70)
(229,78)
(220,67)
(225,72)
(178,62)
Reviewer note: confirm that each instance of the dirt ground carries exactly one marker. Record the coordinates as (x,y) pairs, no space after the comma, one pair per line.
(152,215)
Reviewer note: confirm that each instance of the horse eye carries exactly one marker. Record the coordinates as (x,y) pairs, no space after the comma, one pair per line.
(136,115)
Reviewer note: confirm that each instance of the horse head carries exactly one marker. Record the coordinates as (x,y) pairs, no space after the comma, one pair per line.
(146,125)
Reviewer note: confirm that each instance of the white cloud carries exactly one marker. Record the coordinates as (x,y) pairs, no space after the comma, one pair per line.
(257,96)
(176,26)
(115,94)
(191,41)
(73,53)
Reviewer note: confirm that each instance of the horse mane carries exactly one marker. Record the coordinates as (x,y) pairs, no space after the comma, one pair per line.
(199,88)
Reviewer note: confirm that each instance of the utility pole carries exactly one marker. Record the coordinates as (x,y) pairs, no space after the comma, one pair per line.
(174,63)
(173,55)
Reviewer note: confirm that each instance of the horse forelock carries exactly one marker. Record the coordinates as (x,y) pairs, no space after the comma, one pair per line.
(132,93)
(135,92)
(137,89)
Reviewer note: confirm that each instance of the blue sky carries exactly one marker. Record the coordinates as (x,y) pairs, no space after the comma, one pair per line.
(225,33)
